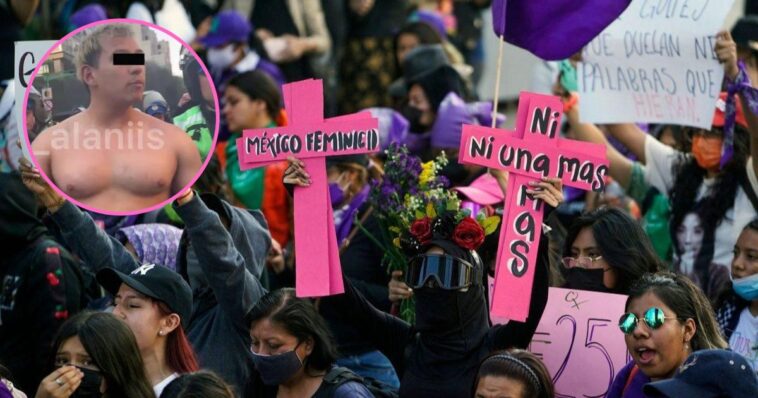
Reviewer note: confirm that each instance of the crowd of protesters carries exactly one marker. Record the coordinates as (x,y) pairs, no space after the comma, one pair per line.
(197,299)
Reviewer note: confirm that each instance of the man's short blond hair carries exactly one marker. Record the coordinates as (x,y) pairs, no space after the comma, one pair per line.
(90,49)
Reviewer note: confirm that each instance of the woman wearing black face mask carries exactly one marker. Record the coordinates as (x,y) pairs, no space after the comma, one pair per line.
(606,251)
(293,352)
(440,354)
(96,355)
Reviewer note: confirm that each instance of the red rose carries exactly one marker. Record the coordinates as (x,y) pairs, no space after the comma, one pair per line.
(422,230)
(468,234)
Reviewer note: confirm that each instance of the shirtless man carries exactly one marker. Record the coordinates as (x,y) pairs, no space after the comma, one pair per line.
(111,156)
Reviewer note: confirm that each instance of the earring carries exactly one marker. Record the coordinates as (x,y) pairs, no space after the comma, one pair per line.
(160,333)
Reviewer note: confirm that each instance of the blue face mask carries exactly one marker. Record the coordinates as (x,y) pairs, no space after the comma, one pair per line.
(746,287)
(277,369)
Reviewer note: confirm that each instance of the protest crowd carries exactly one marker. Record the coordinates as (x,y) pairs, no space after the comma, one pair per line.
(212,295)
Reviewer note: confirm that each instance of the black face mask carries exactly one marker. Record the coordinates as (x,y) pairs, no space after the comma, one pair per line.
(90,385)
(413,115)
(586,279)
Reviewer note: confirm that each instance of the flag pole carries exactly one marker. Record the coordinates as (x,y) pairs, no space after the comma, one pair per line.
(496,97)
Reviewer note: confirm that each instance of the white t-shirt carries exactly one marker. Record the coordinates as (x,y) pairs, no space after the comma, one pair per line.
(158,388)
(744,340)
(659,173)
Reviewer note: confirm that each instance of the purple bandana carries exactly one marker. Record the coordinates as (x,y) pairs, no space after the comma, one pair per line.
(154,243)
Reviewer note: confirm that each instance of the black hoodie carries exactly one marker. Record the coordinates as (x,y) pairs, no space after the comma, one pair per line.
(40,286)
(440,355)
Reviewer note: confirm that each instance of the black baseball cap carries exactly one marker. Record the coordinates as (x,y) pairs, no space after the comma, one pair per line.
(156,282)
(709,374)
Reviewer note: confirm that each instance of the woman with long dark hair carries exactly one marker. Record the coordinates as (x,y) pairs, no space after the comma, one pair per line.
(605,250)
(96,355)
(667,318)
(293,350)
(712,191)
(252,100)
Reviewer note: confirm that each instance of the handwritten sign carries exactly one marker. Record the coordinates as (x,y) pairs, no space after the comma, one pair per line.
(532,151)
(26,56)
(579,341)
(656,63)
(311,138)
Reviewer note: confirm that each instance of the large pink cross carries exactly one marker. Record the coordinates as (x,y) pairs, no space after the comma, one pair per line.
(533,151)
(311,138)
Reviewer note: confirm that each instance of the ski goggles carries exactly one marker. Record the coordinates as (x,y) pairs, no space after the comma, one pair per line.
(653,318)
(449,273)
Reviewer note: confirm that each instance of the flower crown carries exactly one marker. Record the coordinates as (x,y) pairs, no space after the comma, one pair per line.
(451,223)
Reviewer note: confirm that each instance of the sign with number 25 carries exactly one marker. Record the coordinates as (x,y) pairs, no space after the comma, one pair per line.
(579,341)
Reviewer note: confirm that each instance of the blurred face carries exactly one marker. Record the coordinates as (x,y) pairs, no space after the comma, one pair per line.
(268,338)
(205,88)
(658,352)
(142,316)
(585,246)
(500,387)
(417,99)
(745,261)
(690,234)
(241,112)
(405,43)
(117,84)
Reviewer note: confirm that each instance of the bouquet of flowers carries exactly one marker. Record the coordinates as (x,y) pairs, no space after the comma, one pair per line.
(413,205)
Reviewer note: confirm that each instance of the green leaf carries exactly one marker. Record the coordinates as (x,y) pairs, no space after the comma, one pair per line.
(420,214)
(490,224)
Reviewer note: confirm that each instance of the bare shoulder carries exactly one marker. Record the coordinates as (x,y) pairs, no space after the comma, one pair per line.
(47,135)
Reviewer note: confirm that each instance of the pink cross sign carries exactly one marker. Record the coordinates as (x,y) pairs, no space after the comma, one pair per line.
(311,138)
(533,151)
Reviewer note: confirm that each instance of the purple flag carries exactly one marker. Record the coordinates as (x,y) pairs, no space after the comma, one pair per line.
(553,29)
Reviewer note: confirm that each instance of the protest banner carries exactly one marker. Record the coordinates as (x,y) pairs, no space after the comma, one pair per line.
(655,64)
(310,138)
(27,54)
(531,152)
(579,341)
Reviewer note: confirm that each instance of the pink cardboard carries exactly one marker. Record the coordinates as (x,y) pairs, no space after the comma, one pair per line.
(318,271)
(107,22)
(535,151)
(579,341)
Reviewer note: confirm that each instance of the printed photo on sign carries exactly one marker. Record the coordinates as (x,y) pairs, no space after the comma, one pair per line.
(129,116)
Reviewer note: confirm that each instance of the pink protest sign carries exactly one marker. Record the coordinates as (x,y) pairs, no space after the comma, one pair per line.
(579,341)
(311,138)
(532,151)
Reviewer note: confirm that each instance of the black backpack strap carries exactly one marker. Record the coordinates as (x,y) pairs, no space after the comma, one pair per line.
(340,375)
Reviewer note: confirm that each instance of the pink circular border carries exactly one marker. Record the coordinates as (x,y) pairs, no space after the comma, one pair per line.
(128,21)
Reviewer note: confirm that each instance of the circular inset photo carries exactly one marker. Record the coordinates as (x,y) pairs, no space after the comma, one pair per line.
(121,117)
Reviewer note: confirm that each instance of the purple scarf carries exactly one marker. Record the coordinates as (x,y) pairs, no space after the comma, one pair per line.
(344,217)
(619,388)
(154,243)
(740,84)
